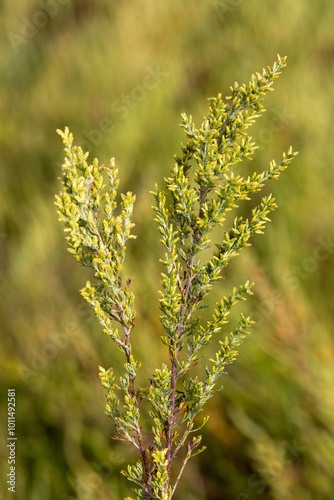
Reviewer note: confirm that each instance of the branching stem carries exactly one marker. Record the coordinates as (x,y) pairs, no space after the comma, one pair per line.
(97,237)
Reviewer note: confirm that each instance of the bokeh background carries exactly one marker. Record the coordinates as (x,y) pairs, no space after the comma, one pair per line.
(119,74)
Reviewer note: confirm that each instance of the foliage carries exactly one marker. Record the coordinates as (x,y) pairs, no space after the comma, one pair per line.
(187,211)
(280,389)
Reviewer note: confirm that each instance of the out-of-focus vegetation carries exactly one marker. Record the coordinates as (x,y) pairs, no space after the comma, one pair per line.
(119,74)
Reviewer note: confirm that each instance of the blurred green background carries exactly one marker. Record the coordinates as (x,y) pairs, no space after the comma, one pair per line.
(119,74)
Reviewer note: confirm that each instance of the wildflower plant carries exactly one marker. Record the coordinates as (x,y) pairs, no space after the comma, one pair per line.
(199,192)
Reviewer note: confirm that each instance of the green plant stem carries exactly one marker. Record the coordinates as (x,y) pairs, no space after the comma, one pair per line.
(171,422)
(148,474)
(175,375)
(97,236)
(184,463)
(127,347)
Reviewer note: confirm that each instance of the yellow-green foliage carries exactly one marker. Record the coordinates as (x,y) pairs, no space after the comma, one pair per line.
(271,430)
(97,238)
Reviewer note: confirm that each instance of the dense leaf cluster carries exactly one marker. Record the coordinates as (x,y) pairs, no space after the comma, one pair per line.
(198,194)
